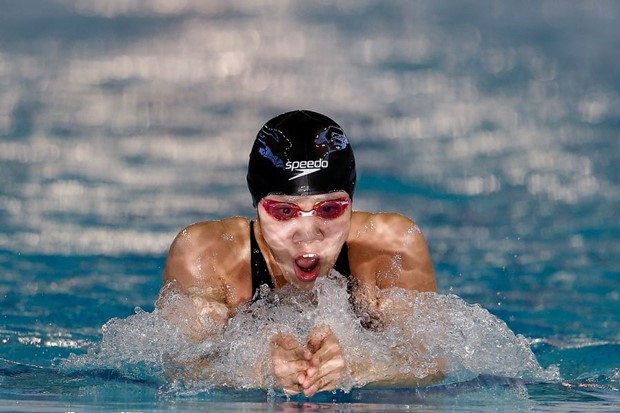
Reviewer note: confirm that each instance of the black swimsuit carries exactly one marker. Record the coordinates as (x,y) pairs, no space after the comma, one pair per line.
(260,272)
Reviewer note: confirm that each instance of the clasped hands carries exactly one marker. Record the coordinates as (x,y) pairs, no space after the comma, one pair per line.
(309,369)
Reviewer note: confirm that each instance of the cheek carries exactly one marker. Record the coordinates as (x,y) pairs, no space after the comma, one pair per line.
(336,233)
(278,235)
(337,229)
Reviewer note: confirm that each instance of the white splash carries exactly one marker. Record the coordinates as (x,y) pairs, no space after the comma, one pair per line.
(469,339)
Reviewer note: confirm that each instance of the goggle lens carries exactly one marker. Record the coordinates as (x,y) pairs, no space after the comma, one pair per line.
(284,211)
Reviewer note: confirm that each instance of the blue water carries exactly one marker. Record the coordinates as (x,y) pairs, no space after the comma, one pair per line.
(493,124)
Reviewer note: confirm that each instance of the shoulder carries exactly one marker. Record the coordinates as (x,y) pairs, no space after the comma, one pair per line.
(391,227)
(207,235)
(393,251)
(203,249)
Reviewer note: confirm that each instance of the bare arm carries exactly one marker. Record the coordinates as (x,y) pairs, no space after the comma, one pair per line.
(206,264)
(399,258)
(389,250)
(203,286)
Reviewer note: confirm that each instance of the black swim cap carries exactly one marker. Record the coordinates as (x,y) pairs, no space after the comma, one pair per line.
(300,153)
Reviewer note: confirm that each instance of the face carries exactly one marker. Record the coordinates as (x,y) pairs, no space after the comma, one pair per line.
(305,233)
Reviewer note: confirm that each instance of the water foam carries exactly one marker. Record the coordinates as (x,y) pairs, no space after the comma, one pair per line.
(423,327)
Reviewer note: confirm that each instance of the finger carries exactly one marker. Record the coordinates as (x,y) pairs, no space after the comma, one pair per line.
(292,390)
(311,372)
(289,364)
(323,382)
(285,341)
(326,373)
(288,349)
(334,367)
(330,348)
(298,354)
(301,377)
(318,386)
(328,362)
(317,336)
(289,368)
(292,380)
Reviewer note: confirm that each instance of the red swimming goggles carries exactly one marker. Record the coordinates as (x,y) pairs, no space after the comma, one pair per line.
(284,211)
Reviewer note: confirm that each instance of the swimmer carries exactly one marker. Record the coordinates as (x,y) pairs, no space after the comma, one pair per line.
(301,176)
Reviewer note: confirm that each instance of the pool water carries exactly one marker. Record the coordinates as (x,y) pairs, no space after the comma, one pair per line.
(494,125)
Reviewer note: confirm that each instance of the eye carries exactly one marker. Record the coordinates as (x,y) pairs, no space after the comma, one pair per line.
(331,209)
(283,211)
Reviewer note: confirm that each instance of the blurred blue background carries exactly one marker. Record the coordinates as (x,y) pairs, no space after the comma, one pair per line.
(495,125)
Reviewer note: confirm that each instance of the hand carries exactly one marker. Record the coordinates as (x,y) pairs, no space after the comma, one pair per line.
(290,362)
(326,362)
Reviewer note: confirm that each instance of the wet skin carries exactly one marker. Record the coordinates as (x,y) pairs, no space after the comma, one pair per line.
(304,247)
(210,262)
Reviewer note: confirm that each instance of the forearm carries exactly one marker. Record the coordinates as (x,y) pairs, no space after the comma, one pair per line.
(397,372)
(197,316)
(192,322)
(389,363)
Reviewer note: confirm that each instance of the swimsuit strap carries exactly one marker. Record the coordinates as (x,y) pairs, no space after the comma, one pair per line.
(260,272)
(342,263)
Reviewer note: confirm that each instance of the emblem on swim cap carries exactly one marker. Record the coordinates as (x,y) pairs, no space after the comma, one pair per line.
(301,153)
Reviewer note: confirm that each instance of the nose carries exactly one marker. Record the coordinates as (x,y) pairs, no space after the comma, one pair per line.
(307,229)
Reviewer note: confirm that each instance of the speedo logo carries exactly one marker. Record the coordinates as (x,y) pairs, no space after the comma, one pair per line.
(304,168)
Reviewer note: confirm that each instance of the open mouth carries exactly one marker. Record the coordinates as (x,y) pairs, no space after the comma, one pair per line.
(307,267)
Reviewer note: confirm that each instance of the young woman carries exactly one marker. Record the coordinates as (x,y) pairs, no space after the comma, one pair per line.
(301,175)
